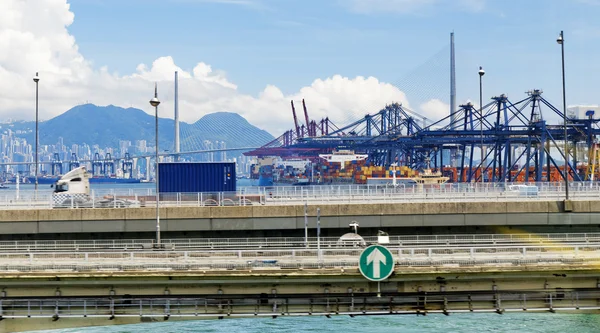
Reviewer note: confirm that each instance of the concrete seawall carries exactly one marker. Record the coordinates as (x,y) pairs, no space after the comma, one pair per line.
(291,217)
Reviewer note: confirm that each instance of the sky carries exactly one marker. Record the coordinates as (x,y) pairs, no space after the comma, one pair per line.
(345,57)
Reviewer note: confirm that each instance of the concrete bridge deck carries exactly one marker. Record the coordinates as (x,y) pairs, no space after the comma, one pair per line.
(45,290)
(58,299)
(288,220)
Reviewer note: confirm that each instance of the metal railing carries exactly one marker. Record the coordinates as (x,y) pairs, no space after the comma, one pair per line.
(297,258)
(326,304)
(464,240)
(324,194)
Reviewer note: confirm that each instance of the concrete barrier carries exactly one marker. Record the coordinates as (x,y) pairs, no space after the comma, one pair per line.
(333,216)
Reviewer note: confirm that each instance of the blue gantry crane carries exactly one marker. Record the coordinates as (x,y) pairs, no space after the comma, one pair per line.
(127,166)
(109,165)
(57,165)
(97,165)
(73,162)
(514,138)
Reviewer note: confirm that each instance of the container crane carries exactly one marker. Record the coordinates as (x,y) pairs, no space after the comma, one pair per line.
(57,167)
(308,129)
(127,166)
(97,165)
(109,165)
(295,120)
(73,162)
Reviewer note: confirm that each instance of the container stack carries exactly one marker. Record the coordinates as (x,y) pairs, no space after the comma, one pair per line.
(359,171)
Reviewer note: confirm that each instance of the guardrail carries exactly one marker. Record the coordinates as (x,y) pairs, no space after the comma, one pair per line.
(325,194)
(466,240)
(352,303)
(297,258)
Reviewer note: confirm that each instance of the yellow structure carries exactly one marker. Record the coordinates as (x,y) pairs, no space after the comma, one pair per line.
(593,162)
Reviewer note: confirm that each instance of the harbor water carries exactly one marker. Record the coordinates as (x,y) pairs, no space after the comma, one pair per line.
(464,323)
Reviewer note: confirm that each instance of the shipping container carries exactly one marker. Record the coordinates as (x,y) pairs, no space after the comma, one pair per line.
(196,177)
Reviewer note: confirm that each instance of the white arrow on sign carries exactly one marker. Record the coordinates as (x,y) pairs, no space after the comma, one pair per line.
(377,258)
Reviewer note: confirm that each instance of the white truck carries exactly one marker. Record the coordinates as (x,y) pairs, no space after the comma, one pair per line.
(72,190)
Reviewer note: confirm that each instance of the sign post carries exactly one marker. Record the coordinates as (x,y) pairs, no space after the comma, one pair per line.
(376,263)
(306,224)
(319,234)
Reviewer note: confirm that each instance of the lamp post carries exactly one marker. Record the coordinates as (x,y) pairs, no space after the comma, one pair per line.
(560,40)
(36,79)
(155,102)
(481,74)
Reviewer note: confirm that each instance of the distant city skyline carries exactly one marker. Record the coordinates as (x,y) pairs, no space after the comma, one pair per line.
(17,149)
(253,56)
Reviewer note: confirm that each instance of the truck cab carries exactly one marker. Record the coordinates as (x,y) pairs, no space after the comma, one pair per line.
(74,181)
(72,189)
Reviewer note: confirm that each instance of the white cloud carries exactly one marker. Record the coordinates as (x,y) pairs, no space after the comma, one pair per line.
(34,37)
(409,6)
(435,110)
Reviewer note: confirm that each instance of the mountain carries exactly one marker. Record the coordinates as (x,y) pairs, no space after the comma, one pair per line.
(107,125)
(222,126)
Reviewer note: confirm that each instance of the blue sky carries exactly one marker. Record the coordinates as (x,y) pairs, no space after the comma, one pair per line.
(290,43)
(346,57)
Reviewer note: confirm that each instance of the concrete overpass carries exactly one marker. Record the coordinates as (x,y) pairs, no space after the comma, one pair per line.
(48,296)
(288,220)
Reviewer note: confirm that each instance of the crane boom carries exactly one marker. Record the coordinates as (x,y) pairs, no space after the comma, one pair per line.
(306,118)
(295,120)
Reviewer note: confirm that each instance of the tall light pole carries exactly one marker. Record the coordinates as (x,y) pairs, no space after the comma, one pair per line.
(560,40)
(36,79)
(155,102)
(481,74)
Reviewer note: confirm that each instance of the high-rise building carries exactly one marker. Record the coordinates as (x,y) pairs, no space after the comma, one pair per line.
(140,146)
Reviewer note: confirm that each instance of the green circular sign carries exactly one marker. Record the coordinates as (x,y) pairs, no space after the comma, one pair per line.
(376,263)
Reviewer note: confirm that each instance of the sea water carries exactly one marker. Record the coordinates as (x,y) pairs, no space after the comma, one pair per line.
(464,323)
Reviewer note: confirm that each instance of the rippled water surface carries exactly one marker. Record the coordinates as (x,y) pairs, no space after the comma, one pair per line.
(467,323)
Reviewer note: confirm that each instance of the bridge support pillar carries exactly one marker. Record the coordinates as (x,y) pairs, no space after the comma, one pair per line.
(148,167)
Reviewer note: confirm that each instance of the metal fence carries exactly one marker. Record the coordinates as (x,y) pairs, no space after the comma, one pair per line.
(298,258)
(350,302)
(465,240)
(324,194)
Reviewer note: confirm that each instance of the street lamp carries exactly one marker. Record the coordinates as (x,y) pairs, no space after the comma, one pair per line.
(560,40)
(481,74)
(155,102)
(36,79)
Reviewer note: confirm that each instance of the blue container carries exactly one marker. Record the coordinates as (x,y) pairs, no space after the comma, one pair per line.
(196,177)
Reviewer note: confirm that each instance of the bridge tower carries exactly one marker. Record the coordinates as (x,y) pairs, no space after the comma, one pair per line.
(177,144)
(148,167)
(134,168)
